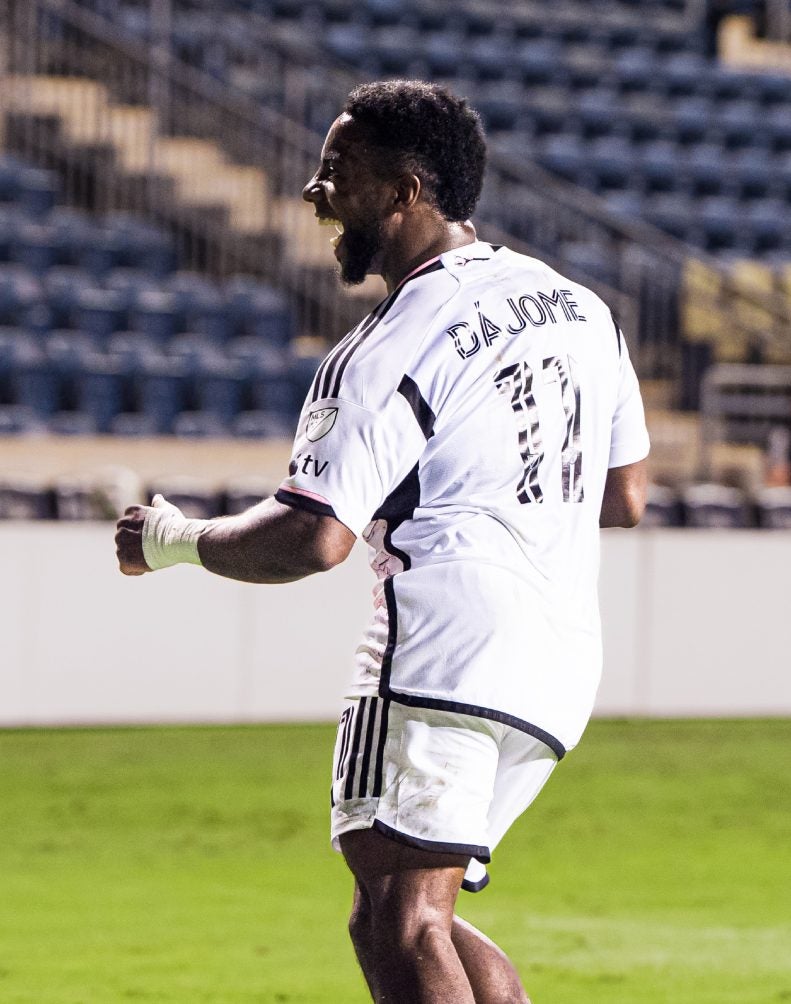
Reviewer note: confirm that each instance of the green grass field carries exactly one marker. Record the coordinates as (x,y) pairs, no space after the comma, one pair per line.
(192,864)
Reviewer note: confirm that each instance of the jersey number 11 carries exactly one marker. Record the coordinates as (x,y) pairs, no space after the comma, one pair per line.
(518,379)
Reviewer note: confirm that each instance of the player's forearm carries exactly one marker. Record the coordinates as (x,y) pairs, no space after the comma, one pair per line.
(269,543)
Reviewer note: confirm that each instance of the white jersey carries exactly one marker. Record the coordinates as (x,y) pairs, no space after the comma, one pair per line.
(464,429)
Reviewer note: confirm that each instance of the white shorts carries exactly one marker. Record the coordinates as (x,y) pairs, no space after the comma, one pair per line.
(434,779)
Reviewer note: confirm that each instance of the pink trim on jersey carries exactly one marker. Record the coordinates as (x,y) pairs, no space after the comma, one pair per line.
(419,269)
(303,491)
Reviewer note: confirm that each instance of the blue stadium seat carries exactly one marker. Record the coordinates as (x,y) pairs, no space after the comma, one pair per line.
(672,213)
(501,105)
(38,191)
(220,385)
(36,247)
(646,117)
(612,164)
(657,165)
(547,111)
(492,56)
(769,223)
(584,66)
(156,313)
(256,309)
(590,261)
(740,124)
(133,350)
(33,379)
(683,74)
(101,389)
(69,350)
(597,112)
(704,169)
(347,42)
(442,54)
(692,120)
(302,371)
(566,155)
(20,293)
(536,62)
(753,174)
(636,70)
(777,123)
(61,291)
(100,312)
(162,391)
(718,217)
(203,305)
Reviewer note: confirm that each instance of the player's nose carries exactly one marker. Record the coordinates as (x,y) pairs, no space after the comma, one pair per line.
(312,191)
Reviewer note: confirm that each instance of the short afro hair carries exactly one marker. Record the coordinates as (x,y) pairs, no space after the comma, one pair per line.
(425,129)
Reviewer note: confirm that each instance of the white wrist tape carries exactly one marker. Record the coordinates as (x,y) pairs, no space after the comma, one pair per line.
(169,538)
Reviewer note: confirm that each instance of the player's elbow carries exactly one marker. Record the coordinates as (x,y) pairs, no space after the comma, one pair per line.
(328,545)
(633,513)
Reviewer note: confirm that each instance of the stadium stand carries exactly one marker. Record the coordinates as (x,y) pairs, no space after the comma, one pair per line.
(623,153)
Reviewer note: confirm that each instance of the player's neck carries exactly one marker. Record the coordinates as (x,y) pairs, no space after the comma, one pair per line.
(403,261)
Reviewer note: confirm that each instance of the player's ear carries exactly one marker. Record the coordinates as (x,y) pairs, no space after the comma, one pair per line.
(407,191)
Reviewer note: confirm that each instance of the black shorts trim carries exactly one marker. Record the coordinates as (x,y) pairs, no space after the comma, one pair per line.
(438,704)
(303,502)
(477,851)
(468,886)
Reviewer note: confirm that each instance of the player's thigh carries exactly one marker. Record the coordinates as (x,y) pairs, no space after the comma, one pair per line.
(524,767)
(404,885)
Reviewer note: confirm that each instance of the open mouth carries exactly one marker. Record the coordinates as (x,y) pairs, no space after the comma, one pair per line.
(330,221)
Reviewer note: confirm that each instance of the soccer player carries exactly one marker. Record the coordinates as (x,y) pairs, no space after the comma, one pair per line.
(476,430)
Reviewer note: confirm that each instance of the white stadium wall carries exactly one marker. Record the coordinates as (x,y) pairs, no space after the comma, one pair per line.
(695,623)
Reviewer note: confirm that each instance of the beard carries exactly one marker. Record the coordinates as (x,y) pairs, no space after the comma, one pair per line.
(360,246)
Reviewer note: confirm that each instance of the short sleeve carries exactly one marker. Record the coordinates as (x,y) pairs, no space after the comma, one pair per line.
(347,459)
(629,436)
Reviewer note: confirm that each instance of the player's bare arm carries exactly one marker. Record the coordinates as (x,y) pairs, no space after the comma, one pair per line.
(269,543)
(625,492)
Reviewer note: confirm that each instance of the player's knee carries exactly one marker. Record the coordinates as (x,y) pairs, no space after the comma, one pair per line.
(416,928)
(360,921)
(424,937)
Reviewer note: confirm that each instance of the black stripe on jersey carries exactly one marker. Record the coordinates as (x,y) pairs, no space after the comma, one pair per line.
(420,408)
(483,854)
(303,502)
(398,507)
(414,701)
(339,360)
(331,356)
(347,728)
(376,791)
(358,731)
(327,382)
(618,332)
